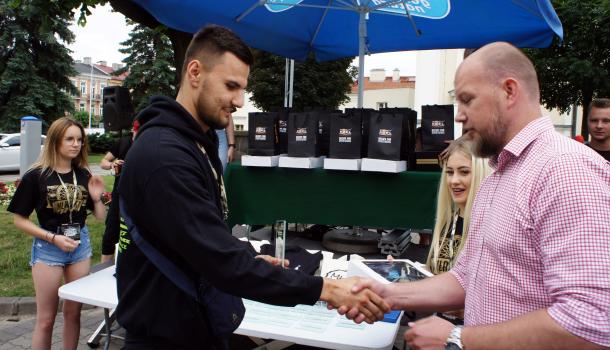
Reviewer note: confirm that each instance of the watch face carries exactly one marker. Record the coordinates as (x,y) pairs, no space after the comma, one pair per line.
(452,346)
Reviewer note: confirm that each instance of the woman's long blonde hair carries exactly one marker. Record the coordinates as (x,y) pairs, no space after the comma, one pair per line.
(445,208)
(50,154)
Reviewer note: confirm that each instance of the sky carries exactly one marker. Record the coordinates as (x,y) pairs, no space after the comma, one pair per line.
(100,39)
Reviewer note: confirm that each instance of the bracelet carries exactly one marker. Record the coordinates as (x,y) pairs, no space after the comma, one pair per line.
(53,238)
(231,145)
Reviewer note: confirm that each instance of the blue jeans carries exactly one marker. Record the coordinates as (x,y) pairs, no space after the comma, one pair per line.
(223,147)
(51,255)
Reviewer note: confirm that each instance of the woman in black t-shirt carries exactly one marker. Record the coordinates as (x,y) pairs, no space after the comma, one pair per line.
(60,189)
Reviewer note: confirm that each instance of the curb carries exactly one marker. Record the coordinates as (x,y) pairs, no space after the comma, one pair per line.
(19,306)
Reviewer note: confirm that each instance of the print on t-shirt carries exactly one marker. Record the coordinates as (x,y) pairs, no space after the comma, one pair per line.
(61,202)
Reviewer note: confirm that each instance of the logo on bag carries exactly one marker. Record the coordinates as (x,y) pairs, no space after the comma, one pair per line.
(433,9)
(301,135)
(260,133)
(283,124)
(438,127)
(385,136)
(345,135)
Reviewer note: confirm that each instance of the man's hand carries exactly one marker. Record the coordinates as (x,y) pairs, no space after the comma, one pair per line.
(338,294)
(429,333)
(382,290)
(273,261)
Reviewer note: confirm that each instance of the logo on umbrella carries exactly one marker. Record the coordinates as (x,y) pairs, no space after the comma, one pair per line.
(434,9)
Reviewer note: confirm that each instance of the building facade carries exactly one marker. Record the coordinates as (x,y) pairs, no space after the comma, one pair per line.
(90,81)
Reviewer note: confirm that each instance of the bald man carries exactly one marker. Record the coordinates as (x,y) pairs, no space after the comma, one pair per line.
(535,273)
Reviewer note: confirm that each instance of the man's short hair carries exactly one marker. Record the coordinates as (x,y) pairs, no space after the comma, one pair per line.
(599,103)
(211,41)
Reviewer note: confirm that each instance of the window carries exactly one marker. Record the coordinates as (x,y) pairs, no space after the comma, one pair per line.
(382,105)
(13,141)
(239,127)
(82,106)
(102,86)
(92,88)
(83,87)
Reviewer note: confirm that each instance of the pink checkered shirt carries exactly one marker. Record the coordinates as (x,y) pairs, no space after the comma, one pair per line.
(539,236)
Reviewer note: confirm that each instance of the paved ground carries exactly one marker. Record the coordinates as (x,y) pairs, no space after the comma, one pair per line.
(17,333)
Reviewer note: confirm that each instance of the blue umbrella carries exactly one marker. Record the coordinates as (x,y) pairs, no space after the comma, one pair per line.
(333,29)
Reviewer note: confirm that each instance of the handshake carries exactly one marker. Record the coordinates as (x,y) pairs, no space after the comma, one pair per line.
(359,299)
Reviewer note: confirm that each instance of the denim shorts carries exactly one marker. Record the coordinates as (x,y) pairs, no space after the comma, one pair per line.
(49,254)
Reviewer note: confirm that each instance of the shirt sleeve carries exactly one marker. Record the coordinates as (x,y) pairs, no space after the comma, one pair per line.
(572,213)
(26,195)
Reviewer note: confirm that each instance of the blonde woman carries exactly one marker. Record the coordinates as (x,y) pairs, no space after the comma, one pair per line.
(60,188)
(462,175)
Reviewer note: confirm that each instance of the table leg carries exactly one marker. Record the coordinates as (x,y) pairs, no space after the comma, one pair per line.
(108,328)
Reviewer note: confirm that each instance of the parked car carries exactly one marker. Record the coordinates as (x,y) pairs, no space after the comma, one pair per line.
(10,145)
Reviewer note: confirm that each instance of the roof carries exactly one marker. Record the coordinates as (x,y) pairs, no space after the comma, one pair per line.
(405,82)
(83,68)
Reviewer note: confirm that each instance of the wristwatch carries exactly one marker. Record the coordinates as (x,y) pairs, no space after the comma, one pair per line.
(231,145)
(454,341)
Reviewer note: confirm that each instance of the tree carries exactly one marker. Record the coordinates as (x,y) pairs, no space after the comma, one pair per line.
(577,70)
(319,85)
(34,65)
(150,64)
(82,117)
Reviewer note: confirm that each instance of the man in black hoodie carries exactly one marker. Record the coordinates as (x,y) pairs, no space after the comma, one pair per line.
(174,194)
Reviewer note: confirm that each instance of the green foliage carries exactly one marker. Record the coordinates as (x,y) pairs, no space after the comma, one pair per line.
(578,69)
(34,65)
(100,143)
(82,117)
(324,85)
(150,64)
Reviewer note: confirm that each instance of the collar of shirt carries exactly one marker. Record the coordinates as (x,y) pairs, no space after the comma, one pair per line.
(521,141)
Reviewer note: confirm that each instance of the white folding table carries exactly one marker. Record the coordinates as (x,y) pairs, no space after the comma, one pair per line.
(302,324)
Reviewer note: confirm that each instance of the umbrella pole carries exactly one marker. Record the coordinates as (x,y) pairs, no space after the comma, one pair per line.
(361,42)
(288,82)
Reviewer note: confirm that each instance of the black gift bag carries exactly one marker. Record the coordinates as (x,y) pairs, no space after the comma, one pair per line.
(324,131)
(282,122)
(386,136)
(303,132)
(346,136)
(409,137)
(365,115)
(437,126)
(262,134)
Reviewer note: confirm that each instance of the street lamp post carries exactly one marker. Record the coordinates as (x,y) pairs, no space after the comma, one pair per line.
(91,93)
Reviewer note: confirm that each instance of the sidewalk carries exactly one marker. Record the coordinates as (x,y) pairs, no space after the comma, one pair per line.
(17,335)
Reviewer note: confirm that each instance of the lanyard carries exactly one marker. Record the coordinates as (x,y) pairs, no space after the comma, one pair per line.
(223,194)
(455,220)
(75,192)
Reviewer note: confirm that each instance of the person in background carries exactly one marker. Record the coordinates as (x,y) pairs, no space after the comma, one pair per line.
(599,126)
(535,271)
(462,175)
(60,188)
(113,160)
(226,144)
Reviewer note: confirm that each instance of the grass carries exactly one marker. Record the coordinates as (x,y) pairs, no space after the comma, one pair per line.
(95,158)
(15,248)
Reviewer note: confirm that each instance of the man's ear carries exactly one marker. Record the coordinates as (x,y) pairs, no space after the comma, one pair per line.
(194,73)
(511,90)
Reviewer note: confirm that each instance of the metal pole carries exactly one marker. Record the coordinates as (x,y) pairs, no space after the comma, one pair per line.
(286,82)
(291,84)
(361,43)
(90,93)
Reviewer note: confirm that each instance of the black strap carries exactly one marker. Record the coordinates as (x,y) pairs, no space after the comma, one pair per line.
(168,268)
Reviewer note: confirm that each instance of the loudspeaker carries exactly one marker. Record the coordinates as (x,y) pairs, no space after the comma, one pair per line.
(118,109)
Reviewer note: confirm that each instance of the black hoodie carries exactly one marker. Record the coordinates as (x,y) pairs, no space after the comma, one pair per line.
(173,198)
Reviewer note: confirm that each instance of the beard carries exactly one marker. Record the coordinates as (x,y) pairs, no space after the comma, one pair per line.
(491,143)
